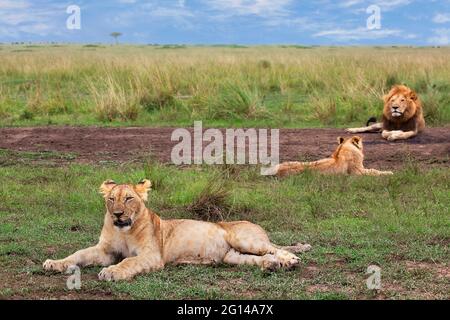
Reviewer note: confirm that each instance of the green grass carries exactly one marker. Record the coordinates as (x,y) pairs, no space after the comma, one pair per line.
(351,222)
(225,86)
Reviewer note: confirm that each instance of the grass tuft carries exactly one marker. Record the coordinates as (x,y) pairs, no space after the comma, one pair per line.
(212,203)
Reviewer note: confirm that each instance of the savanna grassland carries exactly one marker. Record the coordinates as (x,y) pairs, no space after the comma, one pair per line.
(399,223)
(49,200)
(290,86)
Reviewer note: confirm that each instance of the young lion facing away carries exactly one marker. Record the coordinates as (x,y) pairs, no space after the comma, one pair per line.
(147,242)
(347,159)
(402,115)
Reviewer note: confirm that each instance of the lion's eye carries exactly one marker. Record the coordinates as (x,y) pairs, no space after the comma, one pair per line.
(128,199)
(111,199)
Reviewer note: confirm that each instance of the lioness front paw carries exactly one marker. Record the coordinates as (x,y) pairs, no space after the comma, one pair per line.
(113,273)
(56,265)
(351,130)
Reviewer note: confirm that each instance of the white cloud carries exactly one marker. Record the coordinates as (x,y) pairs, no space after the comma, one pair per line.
(264,8)
(179,15)
(17,4)
(391,4)
(441,18)
(440,37)
(385,5)
(22,17)
(171,12)
(350,3)
(357,34)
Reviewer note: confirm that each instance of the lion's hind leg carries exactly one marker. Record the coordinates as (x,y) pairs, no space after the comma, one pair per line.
(296,248)
(288,168)
(251,245)
(375,172)
(265,262)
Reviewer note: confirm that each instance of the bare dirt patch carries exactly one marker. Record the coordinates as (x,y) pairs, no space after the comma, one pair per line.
(45,287)
(441,270)
(95,144)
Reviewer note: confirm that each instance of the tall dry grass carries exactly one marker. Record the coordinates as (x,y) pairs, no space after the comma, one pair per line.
(285,85)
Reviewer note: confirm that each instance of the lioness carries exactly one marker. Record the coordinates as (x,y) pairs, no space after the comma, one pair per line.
(147,243)
(402,115)
(347,159)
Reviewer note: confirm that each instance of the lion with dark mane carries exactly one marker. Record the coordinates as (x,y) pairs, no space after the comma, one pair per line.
(402,115)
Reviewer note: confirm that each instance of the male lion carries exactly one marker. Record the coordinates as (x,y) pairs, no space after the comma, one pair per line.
(147,243)
(402,115)
(347,159)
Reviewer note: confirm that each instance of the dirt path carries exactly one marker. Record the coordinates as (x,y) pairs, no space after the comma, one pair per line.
(93,144)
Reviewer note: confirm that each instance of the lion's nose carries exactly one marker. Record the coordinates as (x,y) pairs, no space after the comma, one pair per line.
(118,214)
(395,107)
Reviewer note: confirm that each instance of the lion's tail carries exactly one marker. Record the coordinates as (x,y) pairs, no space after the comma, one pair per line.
(371,120)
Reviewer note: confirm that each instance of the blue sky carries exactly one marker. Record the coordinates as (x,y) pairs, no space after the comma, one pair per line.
(320,22)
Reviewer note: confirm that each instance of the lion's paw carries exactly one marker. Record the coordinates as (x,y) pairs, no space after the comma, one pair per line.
(288,260)
(392,135)
(303,247)
(112,273)
(56,265)
(270,263)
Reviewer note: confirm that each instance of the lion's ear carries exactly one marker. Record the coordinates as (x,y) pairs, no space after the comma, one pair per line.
(356,139)
(107,186)
(413,95)
(340,140)
(142,188)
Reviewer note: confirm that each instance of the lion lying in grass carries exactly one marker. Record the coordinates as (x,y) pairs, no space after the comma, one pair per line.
(347,159)
(402,115)
(147,243)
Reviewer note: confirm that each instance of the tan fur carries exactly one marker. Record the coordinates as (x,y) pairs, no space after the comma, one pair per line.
(149,242)
(347,159)
(402,123)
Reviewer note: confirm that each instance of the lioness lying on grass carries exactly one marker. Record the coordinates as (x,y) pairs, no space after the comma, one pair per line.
(147,243)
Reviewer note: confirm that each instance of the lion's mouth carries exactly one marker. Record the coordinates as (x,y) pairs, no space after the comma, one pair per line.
(396,113)
(123,224)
